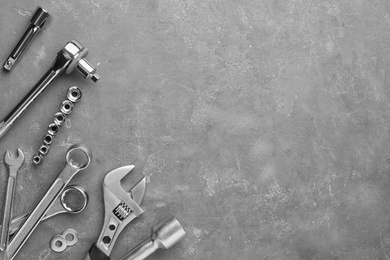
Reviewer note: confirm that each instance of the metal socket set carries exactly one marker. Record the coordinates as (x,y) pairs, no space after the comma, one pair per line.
(73,96)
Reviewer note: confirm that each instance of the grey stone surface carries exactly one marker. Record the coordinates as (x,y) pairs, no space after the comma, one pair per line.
(263,126)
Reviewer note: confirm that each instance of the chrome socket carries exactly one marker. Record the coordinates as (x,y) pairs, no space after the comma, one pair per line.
(74,94)
(53,129)
(59,118)
(66,108)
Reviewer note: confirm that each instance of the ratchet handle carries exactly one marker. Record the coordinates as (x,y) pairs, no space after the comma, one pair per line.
(95,253)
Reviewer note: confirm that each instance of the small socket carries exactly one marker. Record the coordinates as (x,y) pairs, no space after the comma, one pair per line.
(53,129)
(37,159)
(66,107)
(74,94)
(48,139)
(43,150)
(59,118)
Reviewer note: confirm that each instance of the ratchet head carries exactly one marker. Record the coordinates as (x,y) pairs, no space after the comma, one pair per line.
(74,53)
(14,161)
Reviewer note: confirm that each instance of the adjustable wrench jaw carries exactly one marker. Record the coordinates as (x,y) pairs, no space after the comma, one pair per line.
(121,207)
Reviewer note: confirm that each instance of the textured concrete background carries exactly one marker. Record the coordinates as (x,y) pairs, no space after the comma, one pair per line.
(262,125)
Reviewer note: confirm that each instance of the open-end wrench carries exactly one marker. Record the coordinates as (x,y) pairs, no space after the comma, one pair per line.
(72,200)
(13,164)
(69,58)
(78,158)
(164,235)
(120,208)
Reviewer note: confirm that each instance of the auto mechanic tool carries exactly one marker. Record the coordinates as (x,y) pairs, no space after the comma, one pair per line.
(69,58)
(66,108)
(68,238)
(121,208)
(164,235)
(13,164)
(72,200)
(78,158)
(37,21)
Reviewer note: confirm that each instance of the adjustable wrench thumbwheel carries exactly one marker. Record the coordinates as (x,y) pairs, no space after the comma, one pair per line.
(121,207)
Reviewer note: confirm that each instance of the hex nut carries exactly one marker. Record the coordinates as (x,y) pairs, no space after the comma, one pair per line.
(74,94)
(59,118)
(48,139)
(53,129)
(37,159)
(66,107)
(43,150)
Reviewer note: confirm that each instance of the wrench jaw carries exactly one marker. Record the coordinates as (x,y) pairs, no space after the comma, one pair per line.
(120,207)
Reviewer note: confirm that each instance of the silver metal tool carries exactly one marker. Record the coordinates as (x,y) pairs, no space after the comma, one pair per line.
(69,58)
(36,23)
(164,236)
(13,164)
(78,158)
(73,95)
(72,200)
(121,208)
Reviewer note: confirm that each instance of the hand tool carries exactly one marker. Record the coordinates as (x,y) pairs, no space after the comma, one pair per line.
(164,235)
(121,208)
(72,200)
(69,58)
(78,158)
(36,23)
(13,164)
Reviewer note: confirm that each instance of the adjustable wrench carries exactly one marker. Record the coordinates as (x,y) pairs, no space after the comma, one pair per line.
(13,164)
(69,58)
(78,158)
(121,208)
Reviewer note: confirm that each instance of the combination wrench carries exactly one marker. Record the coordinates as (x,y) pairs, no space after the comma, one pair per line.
(69,58)
(78,158)
(72,200)
(13,164)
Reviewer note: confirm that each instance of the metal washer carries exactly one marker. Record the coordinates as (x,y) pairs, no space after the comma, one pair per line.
(58,243)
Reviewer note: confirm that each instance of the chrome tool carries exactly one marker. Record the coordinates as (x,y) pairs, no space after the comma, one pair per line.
(121,208)
(13,164)
(72,200)
(69,58)
(78,158)
(164,235)
(36,23)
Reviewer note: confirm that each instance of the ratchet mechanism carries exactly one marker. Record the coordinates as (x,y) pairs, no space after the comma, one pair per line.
(121,208)
(36,23)
(69,58)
